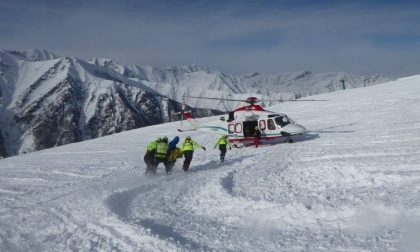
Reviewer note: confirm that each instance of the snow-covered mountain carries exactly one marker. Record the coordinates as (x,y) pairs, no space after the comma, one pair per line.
(33,54)
(351,184)
(46,101)
(192,80)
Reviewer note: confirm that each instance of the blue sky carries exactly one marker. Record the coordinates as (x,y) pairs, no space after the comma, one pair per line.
(231,36)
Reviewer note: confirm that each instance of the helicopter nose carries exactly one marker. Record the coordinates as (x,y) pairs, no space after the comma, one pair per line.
(294,129)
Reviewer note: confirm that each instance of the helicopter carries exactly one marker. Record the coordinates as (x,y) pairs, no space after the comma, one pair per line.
(241,124)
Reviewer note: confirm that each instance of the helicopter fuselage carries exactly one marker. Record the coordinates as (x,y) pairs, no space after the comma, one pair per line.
(240,125)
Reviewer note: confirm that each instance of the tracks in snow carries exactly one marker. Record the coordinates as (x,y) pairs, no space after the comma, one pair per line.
(290,202)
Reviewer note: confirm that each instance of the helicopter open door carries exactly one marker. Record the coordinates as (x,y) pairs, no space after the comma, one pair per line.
(249,128)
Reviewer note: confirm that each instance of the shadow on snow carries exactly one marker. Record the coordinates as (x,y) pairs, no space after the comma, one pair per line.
(168,233)
(120,204)
(217,164)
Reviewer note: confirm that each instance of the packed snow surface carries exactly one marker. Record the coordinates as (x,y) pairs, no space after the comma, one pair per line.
(351,184)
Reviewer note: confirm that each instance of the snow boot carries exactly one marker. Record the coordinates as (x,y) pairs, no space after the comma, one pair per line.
(186,165)
(222,159)
(168,170)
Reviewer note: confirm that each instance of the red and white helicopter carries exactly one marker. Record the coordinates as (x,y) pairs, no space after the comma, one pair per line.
(240,124)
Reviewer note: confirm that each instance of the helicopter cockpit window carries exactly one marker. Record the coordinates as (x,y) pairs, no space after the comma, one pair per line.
(282,121)
(271,125)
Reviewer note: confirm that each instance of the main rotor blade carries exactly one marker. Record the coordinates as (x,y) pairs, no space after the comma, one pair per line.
(258,100)
(289,100)
(212,98)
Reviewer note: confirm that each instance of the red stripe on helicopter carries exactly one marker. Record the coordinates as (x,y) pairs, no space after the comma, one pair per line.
(250,107)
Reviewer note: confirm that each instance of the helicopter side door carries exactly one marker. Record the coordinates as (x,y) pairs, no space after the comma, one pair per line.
(249,128)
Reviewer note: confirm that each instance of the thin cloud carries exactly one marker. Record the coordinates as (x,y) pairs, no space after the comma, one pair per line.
(234,36)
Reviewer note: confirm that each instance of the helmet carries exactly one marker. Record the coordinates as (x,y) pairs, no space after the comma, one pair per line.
(158,139)
(165,139)
(225,136)
(188,138)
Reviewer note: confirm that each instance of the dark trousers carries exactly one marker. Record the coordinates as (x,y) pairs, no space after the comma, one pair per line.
(222,148)
(148,159)
(156,163)
(170,165)
(188,155)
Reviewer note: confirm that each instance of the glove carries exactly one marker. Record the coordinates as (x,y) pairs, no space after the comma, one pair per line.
(204,148)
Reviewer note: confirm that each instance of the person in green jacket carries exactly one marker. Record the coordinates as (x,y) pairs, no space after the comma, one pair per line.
(149,156)
(161,155)
(188,149)
(223,142)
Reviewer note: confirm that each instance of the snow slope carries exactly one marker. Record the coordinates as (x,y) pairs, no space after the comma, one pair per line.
(351,184)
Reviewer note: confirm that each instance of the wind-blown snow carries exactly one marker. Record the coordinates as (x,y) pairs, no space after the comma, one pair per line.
(351,184)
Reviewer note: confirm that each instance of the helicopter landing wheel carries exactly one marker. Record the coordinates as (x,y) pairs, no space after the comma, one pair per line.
(290,140)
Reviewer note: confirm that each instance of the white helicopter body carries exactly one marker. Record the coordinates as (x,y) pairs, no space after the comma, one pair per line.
(240,124)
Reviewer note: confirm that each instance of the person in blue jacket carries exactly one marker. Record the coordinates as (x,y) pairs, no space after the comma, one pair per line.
(173,143)
(172,154)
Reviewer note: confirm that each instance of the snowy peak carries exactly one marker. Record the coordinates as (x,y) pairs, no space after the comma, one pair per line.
(33,54)
(306,83)
(192,80)
(108,63)
(185,69)
(64,100)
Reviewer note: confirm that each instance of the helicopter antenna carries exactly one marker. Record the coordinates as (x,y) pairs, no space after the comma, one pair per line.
(182,108)
(181,113)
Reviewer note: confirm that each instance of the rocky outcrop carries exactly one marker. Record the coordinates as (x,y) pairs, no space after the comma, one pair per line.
(66,100)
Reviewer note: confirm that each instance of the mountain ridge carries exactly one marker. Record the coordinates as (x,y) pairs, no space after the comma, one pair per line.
(47,103)
(178,82)
(47,100)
